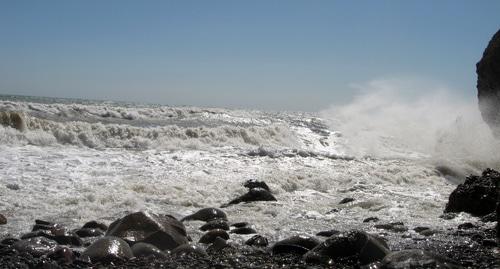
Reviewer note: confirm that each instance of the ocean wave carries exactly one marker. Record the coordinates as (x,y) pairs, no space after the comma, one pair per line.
(42,132)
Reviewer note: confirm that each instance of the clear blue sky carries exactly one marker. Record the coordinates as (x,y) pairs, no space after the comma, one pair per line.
(296,55)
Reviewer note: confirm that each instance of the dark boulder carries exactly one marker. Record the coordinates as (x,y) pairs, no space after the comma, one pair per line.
(371,219)
(478,195)
(328,233)
(257,241)
(365,247)
(295,245)
(95,225)
(415,258)
(488,84)
(3,219)
(162,231)
(252,184)
(62,255)
(215,224)
(240,224)
(218,244)
(108,249)
(187,249)
(346,200)
(60,236)
(210,236)
(89,232)
(243,230)
(253,195)
(206,214)
(36,246)
(147,250)
(393,226)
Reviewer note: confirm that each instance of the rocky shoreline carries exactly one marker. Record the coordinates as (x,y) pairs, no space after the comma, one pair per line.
(149,240)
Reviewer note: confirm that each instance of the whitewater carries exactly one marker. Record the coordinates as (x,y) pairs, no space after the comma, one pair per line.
(71,161)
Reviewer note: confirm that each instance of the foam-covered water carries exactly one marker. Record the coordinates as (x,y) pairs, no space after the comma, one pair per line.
(82,160)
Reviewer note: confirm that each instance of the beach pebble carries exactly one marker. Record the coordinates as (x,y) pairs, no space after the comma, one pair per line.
(206,214)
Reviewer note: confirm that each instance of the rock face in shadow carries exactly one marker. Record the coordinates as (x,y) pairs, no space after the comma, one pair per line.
(488,84)
(162,231)
(478,195)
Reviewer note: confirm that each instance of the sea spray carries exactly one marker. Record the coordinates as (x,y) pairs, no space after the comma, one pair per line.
(408,119)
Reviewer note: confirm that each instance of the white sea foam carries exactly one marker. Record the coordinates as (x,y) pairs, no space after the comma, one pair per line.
(72,164)
(383,122)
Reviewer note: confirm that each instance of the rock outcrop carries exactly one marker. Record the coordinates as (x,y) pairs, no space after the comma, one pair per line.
(478,195)
(488,84)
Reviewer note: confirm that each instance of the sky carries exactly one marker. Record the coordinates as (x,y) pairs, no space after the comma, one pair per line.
(271,54)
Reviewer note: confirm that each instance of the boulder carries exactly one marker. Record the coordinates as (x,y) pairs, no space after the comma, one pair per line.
(3,219)
(147,250)
(253,195)
(295,245)
(478,195)
(189,249)
(206,214)
(252,184)
(162,231)
(415,258)
(215,224)
(36,246)
(488,84)
(95,225)
(365,247)
(210,236)
(243,230)
(257,241)
(108,249)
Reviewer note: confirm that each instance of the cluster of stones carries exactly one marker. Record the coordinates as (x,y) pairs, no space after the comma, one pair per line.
(159,236)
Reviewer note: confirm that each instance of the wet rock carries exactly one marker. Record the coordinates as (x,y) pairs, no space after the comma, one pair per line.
(9,241)
(62,255)
(215,224)
(492,217)
(89,232)
(295,245)
(13,186)
(95,225)
(425,231)
(393,226)
(252,184)
(61,237)
(366,247)
(346,200)
(206,214)
(107,249)
(488,84)
(448,216)
(371,219)
(415,258)
(328,233)
(162,231)
(257,241)
(243,230)
(36,246)
(253,195)
(3,220)
(210,236)
(218,244)
(147,250)
(240,224)
(478,195)
(466,226)
(189,249)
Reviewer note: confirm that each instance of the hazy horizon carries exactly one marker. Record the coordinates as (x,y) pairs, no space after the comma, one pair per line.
(272,55)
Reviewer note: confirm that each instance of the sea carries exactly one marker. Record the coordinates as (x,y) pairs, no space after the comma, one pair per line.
(71,161)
